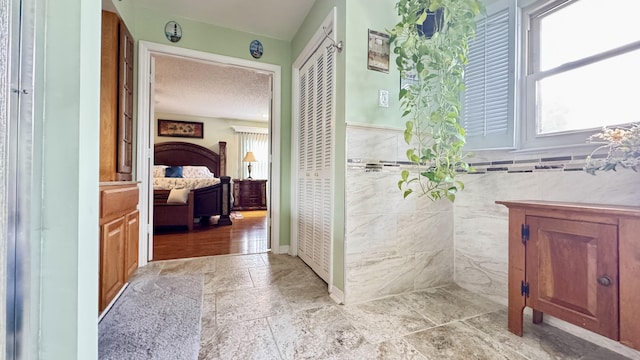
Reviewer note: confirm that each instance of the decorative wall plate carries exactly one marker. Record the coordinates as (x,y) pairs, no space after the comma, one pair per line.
(256,49)
(173,31)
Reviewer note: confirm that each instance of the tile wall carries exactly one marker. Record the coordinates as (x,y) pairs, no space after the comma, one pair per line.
(481,226)
(389,250)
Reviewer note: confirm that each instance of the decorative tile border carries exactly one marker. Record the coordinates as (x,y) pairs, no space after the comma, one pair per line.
(556,163)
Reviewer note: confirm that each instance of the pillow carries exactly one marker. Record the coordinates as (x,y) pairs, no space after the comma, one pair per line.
(173,172)
(196,172)
(178,196)
(158,171)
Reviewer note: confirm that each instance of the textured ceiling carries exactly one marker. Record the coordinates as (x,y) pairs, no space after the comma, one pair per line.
(189,87)
(278,19)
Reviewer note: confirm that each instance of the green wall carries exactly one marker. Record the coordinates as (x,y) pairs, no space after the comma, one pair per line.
(362,84)
(64,259)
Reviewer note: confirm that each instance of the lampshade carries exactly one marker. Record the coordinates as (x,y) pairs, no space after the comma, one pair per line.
(249,157)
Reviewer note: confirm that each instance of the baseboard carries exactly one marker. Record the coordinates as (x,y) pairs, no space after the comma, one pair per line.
(589,336)
(592,337)
(115,298)
(336,295)
(282,249)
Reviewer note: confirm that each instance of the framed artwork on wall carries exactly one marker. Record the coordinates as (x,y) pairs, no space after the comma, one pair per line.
(175,128)
(378,57)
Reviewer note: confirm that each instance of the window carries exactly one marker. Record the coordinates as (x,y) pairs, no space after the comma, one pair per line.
(258,143)
(582,71)
(580,66)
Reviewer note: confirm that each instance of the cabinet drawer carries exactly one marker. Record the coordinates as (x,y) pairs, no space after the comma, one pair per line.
(117,200)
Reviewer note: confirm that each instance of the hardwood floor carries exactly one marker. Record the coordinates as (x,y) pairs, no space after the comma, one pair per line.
(246,236)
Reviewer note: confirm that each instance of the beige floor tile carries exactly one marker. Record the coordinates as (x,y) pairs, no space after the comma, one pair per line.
(441,306)
(385,319)
(459,341)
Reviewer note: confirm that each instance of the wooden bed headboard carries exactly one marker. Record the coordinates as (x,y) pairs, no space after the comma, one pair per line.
(176,153)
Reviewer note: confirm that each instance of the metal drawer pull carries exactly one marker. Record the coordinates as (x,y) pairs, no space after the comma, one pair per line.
(605,281)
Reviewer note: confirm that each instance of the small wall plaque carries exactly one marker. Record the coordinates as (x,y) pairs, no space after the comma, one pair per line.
(173,31)
(256,49)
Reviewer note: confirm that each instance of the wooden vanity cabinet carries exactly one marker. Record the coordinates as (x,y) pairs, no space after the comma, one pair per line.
(577,262)
(119,225)
(119,217)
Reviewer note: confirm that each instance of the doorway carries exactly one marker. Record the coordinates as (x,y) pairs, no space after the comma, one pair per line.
(148,54)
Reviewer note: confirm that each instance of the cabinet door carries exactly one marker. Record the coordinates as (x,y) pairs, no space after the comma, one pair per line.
(131,247)
(125,105)
(572,270)
(112,240)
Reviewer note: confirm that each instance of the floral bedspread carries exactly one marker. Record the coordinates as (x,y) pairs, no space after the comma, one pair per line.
(183,183)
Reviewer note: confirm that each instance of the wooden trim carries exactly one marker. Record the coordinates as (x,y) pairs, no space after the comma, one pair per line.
(629,256)
(586,208)
(516,270)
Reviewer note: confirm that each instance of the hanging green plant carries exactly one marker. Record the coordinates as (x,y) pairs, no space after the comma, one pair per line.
(431,45)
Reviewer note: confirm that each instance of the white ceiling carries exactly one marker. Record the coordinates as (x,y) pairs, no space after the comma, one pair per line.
(202,89)
(194,88)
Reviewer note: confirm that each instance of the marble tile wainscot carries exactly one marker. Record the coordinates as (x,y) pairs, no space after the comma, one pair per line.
(377,265)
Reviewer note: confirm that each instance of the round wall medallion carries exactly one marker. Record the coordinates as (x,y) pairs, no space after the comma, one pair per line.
(256,49)
(173,31)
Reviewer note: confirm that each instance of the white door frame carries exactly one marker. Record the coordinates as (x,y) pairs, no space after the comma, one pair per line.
(145,151)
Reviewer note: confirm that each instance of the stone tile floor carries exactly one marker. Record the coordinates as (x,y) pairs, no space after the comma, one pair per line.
(267,306)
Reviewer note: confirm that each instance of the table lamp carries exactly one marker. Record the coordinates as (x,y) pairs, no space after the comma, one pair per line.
(249,158)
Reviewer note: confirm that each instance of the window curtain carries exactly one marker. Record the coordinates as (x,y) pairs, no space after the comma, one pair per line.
(259,145)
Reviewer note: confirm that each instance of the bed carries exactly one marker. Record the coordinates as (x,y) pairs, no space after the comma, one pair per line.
(209,199)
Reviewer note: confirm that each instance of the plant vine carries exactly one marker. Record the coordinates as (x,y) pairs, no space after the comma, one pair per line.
(432,102)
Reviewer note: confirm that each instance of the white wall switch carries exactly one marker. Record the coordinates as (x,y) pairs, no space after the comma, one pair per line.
(383,98)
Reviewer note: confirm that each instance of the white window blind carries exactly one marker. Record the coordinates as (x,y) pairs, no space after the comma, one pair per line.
(489,100)
(259,145)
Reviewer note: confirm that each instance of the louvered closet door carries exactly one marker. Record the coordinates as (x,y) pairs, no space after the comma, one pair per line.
(315,148)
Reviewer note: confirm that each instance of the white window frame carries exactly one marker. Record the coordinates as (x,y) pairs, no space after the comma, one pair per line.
(529,140)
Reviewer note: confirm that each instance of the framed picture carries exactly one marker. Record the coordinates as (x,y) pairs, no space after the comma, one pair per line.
(378,58)
(180,128)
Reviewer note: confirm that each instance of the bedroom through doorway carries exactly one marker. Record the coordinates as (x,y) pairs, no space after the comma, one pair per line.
(229,103)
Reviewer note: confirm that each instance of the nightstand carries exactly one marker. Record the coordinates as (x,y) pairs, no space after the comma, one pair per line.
(249,194)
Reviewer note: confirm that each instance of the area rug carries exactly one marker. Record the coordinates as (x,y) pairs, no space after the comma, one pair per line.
(157,317)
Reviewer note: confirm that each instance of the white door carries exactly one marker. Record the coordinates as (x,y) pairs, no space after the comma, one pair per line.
(314,161)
